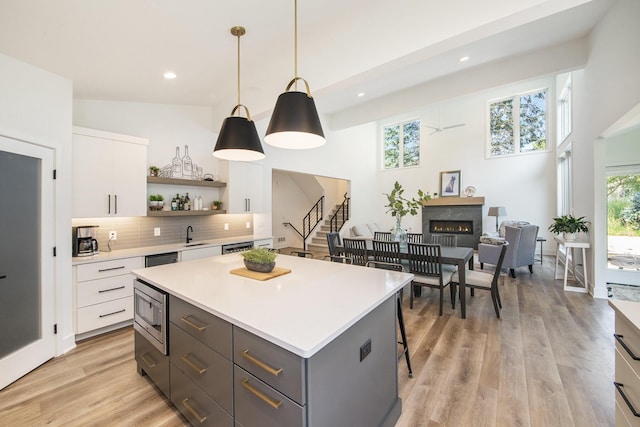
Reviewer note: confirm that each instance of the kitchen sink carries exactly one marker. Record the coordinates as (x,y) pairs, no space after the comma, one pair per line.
(188,245)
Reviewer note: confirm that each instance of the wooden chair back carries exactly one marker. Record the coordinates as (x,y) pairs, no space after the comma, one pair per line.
(382,235)
(414,237)
(387,252)
(444,240)
(424,259)
(356,250)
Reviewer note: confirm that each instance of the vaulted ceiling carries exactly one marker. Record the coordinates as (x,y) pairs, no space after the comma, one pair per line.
(119,49)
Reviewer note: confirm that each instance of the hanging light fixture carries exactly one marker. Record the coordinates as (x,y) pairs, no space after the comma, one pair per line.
(295,122)
(238,138)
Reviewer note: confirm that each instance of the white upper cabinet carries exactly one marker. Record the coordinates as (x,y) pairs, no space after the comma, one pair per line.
(244,188)
(109,174)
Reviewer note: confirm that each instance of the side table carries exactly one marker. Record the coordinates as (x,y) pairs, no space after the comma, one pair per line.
(541,240)
(570,245)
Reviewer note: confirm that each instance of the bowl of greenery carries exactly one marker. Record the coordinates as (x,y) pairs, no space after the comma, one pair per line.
(259,259)
(569,225)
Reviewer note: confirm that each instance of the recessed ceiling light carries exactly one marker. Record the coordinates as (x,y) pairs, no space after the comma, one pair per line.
(361,94)
(169,75)
(464,58)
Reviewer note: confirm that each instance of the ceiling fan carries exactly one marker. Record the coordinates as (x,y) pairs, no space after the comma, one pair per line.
(441,128)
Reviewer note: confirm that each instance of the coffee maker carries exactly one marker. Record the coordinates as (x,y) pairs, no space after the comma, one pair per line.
(85,241)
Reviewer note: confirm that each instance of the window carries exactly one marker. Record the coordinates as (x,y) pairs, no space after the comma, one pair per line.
(565,185)
(564,112)
(401,144)
(518,124)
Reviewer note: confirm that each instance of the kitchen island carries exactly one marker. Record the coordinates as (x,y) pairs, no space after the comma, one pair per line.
(314,347)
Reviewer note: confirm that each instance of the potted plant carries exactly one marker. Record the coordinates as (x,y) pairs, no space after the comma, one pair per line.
(156,202)
(153,170)
(259,259)
(400,206)
(569,225)
(216,204)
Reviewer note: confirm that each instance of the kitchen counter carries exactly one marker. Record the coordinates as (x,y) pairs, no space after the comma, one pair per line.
(629,310)
(151,250)
(301,311)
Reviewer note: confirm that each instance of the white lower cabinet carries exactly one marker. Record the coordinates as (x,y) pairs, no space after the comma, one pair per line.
(627,371)
(191,254)
(103,295)
(263,243)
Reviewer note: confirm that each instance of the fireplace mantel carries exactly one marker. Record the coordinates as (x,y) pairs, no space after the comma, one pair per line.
(454,201)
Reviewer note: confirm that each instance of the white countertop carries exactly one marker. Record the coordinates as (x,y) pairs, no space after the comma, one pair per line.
(630,310)
(151,250)
(301,311)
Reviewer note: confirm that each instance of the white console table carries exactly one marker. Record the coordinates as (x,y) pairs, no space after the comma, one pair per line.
(570,245)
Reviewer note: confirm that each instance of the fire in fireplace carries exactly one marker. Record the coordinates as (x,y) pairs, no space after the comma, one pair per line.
(449,226)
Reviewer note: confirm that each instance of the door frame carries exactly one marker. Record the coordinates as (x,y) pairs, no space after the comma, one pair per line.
(35,354)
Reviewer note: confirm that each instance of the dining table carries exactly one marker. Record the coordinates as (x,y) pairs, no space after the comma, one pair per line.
(459,256)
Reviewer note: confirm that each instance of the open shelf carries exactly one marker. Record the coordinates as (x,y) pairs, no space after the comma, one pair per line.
(186,213)
(189,182)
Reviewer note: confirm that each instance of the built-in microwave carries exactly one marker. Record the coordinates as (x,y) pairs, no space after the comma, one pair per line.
(150,317)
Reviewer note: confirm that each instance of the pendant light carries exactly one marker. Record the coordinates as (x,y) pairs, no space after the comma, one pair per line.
(295,123)
(238,139)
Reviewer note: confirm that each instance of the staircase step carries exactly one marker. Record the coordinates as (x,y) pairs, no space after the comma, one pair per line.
(317,248)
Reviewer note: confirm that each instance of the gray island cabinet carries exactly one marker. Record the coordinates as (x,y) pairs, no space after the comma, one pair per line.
(316,347)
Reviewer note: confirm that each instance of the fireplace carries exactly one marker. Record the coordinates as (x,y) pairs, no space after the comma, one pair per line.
(450,227)
(461,216)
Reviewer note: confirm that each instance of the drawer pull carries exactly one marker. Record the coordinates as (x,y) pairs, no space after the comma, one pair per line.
(112,313)
(194,325)
(193,411)
(101,291)
(619,386)
(102,270)
(275,404)
(619,338)
(193,365)
(273,371)
(151,364)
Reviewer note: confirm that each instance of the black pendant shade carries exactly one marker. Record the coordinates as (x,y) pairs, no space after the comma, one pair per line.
(295,123)
(238,140)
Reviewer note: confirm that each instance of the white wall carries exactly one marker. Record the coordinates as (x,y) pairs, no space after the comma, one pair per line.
(611,88)
(35,106)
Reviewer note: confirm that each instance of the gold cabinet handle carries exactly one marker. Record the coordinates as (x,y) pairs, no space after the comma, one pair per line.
(193,411)
(193,365)
(275,404)
(194,325)
(273,371)
(151,364)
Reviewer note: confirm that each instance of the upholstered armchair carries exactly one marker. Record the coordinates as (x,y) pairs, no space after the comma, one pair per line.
(520,252)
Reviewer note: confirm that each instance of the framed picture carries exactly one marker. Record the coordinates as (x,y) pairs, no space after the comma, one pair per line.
(450,184)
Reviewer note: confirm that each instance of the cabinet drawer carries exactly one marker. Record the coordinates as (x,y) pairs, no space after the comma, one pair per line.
(274,365)
(621,420)
(207,328)
(153,363)
(194,404)
(630,387)
(203,366)
(116,267)
(258,405)
(105,314)
(103,290)
(629,335)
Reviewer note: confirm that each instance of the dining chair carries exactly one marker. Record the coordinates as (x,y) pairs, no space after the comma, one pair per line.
(425,264)
(333,240)
(486,281)
(386,252)
(444,239)
(356,250)
(405,346)
(414,237)
(382,235)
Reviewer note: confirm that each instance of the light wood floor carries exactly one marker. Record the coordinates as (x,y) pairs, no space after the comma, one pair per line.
(548,362)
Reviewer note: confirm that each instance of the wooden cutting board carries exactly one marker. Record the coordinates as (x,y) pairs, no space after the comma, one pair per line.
(244,272)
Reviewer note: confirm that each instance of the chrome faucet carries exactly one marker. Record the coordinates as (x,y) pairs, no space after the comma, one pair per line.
(189,238)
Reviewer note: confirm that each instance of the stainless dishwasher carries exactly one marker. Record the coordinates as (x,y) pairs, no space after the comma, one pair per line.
(236,247)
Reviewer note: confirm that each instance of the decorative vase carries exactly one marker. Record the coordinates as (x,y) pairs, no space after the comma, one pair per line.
(261,268)
(568,236)
(399,234)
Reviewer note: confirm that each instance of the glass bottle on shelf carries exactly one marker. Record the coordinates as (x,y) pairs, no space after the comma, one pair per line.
(174,204)
(187,164)
(187,203)
(176,165)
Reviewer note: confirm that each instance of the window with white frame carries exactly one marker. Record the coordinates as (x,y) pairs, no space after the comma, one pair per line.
(401,144)
(518,124)
(564,184)
(564,112)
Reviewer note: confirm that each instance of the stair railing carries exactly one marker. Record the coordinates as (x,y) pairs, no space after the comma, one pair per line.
(341,215)
(310,221)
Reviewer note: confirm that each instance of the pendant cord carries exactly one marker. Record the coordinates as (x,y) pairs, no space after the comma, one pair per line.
(295,41)
(238,69)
